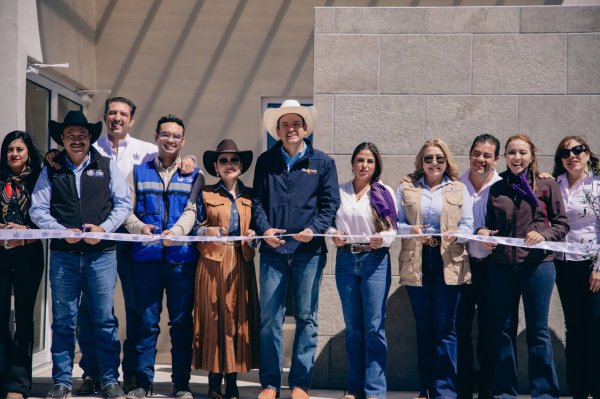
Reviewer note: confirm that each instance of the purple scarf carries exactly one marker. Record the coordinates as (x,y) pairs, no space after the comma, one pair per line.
(520,183)
(383,203)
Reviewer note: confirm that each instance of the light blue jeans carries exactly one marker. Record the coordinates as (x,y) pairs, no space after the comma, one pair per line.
(302,272)
(363,281)
(95,275)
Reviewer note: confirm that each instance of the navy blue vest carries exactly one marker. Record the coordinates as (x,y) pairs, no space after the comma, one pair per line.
(161,207)
(93,206)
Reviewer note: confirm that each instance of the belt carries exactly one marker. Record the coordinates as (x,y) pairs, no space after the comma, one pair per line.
(432,242)
(477,260)
(357,248)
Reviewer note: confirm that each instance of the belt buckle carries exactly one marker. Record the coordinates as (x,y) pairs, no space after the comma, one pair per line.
(354,251)
(432,242)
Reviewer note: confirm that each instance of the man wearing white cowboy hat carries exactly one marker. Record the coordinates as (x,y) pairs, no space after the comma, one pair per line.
(296,192)
(87,193)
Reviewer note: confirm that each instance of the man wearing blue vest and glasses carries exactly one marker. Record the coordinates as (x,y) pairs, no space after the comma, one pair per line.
(164,204)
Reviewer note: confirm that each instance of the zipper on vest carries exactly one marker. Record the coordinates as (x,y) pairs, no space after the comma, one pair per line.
(514,228)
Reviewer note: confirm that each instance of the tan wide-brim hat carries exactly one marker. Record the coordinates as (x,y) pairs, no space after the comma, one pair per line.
(272,115)
(226,146)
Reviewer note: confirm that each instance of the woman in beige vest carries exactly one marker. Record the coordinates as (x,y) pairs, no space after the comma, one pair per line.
(433,268)
(226,309)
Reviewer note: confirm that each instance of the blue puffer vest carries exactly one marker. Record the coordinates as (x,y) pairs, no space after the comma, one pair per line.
(161,207)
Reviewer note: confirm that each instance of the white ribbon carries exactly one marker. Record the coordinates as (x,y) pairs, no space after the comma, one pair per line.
(31,234)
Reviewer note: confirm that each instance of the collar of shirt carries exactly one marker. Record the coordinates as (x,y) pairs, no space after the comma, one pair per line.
(107,145)
(445,180)
(169,169)
(471,189)
(83,165)
(221,186)
(290,161)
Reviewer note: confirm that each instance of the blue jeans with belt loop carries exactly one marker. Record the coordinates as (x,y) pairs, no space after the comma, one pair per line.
(534,282)
(302,273)
(434,306)
(95,275)
(363,282)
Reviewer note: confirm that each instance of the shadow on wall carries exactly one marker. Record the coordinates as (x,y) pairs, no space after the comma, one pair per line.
(331,367)
(402,373)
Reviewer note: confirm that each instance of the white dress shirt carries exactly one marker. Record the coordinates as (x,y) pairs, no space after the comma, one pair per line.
(130,152)
(356,217)
(480,199)
(585,227)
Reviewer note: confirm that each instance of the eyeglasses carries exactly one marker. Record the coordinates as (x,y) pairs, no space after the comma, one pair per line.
(233,161)
(166,136)
(566,152)
(437,158)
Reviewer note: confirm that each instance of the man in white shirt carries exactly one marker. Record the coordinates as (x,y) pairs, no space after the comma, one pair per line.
(482,174)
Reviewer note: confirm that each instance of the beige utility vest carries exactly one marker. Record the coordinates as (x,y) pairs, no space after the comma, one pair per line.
(218,214)
(454,254)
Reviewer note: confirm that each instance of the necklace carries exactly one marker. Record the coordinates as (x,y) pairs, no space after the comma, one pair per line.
(361,192)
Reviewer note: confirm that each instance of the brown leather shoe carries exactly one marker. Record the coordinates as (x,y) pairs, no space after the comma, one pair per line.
(14,395)
(268,393)
(299,393)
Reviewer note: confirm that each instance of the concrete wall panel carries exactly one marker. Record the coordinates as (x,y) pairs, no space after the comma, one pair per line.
(392,122)
(473,20)
(547,119)
(346,64)
(425,64)
(324,20)
(455,117)
(560,19)
(519,64)
(380,20)
(583,70)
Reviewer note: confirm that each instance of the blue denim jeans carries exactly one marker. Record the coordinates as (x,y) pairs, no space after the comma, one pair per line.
(534,282)
(302,272)
(87,343)
(434,306)
(363,281)
(151,279)
(475,296)
(95,276)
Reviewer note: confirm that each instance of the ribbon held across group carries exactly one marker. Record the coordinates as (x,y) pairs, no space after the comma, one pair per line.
(31,234)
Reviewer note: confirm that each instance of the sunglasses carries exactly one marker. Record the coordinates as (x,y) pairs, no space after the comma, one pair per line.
(437,158)
(233,161)
(566,152)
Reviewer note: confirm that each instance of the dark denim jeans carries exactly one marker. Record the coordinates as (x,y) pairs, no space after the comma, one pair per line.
(363,281)
(87,343)
(582,318)
(533,282)
(151,279)
(21,271)
(475,296)
(95,275)
(302,272)
(434,307)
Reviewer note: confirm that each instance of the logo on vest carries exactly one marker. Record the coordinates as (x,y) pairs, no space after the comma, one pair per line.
(182,179)
(95,173)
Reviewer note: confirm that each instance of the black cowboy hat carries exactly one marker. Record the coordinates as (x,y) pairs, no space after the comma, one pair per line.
(226,146)
(74,118)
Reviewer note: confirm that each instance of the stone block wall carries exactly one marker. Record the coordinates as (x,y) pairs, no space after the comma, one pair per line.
(398,76)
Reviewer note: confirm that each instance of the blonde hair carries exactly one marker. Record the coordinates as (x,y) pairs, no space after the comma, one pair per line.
(451,165)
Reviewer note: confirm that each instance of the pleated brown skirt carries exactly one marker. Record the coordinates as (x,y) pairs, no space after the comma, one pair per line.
(226,314)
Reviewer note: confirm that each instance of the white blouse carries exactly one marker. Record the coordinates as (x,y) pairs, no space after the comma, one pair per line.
(585,226)
(356,217)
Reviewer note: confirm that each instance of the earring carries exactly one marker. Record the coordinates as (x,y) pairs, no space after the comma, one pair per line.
(218,175)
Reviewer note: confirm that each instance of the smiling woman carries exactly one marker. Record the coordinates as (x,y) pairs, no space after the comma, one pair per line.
(21,263)
(434,269)
(524,206)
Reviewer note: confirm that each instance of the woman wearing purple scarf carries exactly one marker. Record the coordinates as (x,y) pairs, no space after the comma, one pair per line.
(363,271)
(524,206)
